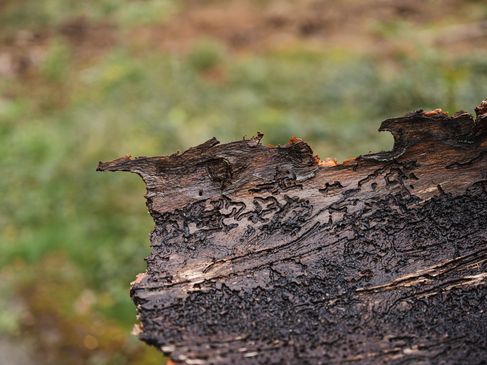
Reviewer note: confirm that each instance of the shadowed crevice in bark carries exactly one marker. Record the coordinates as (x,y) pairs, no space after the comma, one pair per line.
(267,255)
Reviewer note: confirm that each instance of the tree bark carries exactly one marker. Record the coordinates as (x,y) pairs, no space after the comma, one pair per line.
(268,255)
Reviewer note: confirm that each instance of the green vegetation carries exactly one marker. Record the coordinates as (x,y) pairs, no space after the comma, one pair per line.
(39,14)
(66,230)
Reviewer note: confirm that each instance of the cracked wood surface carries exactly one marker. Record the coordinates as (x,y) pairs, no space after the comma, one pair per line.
(267,255)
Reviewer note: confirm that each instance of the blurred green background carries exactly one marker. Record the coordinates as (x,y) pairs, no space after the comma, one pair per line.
(83,81)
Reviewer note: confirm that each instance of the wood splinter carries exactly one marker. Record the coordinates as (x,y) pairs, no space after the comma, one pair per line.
(264,255)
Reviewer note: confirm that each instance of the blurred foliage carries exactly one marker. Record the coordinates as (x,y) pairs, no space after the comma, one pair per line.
(56,63)
(64,320)
(72,238)
(38,14)
(205,55)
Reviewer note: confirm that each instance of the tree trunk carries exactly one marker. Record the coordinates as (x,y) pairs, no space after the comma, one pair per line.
(268,255)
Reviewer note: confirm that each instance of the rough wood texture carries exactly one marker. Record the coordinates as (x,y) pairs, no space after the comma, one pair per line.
(267,255)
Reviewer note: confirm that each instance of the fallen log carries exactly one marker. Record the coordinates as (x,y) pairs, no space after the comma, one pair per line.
(268,255)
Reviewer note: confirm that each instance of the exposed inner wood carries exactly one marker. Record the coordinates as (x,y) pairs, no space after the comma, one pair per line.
(268,255)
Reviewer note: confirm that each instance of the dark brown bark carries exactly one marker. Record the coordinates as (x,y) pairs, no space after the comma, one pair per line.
(265,255)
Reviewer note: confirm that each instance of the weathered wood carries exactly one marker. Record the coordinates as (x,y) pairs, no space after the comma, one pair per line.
(267,255)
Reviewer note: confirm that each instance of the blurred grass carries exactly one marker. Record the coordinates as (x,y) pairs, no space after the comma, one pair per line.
(66,230)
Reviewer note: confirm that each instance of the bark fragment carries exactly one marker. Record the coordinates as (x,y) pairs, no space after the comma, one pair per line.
(265,255)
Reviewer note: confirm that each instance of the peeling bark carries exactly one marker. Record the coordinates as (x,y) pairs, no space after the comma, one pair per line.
(267,255)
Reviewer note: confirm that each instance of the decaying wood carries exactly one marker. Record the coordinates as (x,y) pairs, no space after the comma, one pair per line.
(267,255)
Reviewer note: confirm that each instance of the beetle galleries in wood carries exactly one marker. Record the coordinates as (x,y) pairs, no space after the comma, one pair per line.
(265,255)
